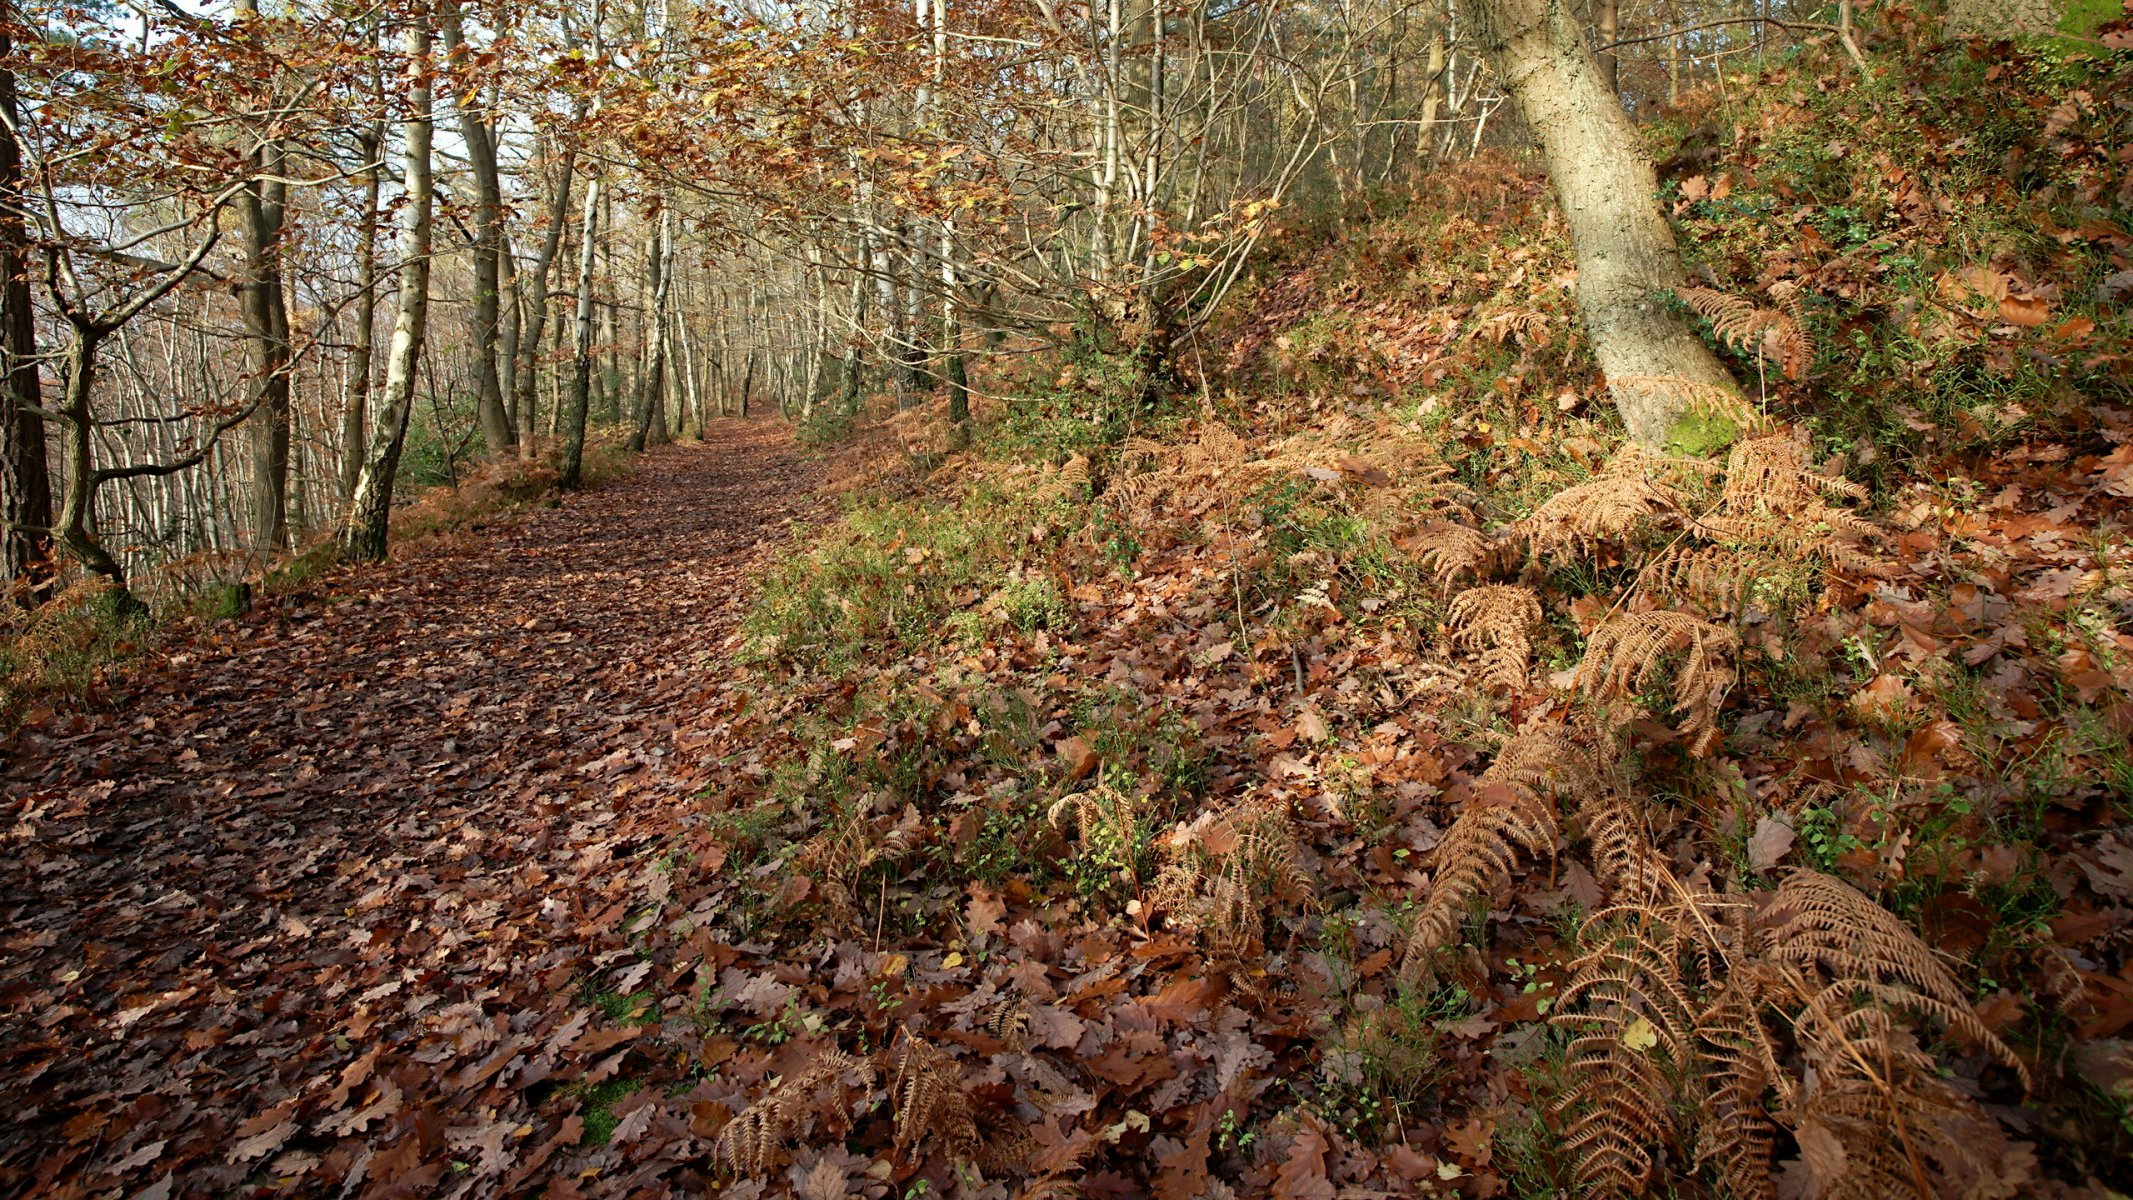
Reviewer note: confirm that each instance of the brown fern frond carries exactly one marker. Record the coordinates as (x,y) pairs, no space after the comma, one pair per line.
(1774,499)
(927,1096)
(1714,579)
(1629,1007)
(1511,812)
(1521,324)
(1774,335)
(1074,476)
(1447,549)
(1633,490)
(1496,622)
(1631,653)
(1734,1131)
(1618,1116)
(1833,944)
(1879,1121)
(1138,453)
(835,857)
(754,1141)
(1771,475)
(1218,873)
(1630,866)
(1007,1148)
(1008,1021)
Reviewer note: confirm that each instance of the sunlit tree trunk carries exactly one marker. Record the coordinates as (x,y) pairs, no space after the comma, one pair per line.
(355,411)
(1655,365)
(536,301)
(480,146)
(364,529)
(577,400)
(651,376)
(2002,18)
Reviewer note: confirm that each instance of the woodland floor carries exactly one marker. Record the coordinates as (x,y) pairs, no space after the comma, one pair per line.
(340,870)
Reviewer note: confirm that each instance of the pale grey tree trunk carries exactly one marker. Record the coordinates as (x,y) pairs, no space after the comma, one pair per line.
(536,302)
(1660,374)
(474,132)
(355,411)
(2002,18)
(363,531)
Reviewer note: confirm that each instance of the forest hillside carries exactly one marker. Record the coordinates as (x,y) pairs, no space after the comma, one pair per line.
(1597,665)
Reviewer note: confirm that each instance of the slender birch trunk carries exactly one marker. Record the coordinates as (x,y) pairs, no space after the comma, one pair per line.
(365,527)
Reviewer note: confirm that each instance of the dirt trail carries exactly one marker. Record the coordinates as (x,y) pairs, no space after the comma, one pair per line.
(317,913)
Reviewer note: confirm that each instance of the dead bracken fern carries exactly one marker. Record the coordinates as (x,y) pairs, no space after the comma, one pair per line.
(1832,946)
(1447,550)
(755,1141)
(1735,1134)
(1773,335)
(1774,500)
(1633,652)
(1634,1033)
(1218,873)
(1511,813)
(834,858)
(1634,490)
(927,1095)
(1496,622)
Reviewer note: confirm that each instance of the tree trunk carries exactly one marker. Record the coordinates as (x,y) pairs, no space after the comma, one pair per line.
(364,530)
(508,331)
(355,414)
(263,304)
(25,481)
(536,305)
(474,132)
(75,527)
(1606,24)
(578,402)
(1656,366)
(651,377)
(2002,18)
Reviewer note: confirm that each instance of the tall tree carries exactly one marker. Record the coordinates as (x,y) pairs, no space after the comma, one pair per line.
(1660,374)
(25,483)
(578,399)
(536,300)
(364,528)
(355,409)
(263,301)
(488,239)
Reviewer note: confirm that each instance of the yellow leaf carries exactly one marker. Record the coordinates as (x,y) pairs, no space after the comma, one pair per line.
(951,962)
(1640,1035)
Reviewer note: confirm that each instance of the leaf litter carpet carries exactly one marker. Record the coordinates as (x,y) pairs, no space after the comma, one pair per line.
(317,913)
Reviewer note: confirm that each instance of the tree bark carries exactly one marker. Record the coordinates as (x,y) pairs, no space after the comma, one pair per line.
(496,429)
(25,480)
(2002,18)
(263,304)
(579,399)
(651,377)
(536,303)
(1628,263)
(364,530)
(355,414)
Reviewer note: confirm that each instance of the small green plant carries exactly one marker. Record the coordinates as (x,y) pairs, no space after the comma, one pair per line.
(597,1108)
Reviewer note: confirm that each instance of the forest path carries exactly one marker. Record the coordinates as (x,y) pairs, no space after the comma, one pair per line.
(316,911)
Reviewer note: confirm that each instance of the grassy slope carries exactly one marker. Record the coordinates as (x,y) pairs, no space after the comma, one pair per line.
(1005,728)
